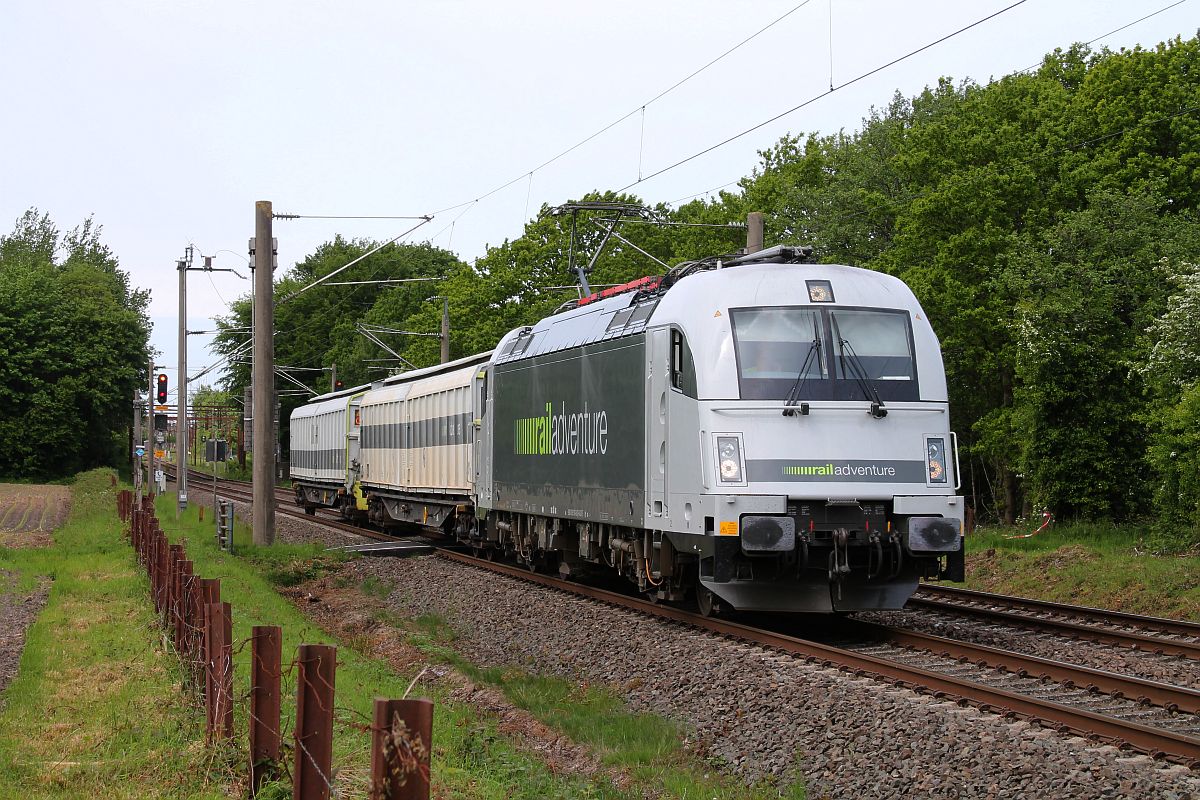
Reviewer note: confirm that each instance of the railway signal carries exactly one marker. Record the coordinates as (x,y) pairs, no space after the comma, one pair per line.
(162,388)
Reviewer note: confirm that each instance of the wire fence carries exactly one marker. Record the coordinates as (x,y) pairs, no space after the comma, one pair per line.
(199,626)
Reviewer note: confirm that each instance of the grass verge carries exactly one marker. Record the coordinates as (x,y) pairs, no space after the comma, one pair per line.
(1096,564)
(472,756)
(100,707)
(96,709)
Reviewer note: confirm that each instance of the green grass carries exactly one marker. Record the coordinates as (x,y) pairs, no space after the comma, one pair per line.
(96,709)
(100,707)
(1099,564)
(471,757)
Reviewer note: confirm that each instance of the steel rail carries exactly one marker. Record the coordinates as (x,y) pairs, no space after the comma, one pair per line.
(1126,639)
(1172,698)
(1099,615)
(1122,733)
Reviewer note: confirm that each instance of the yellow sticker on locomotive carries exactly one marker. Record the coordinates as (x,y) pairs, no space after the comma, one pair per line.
(729,529)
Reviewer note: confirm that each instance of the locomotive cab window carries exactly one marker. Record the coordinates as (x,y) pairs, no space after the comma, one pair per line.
(831,353)
(876,341)
(776,347)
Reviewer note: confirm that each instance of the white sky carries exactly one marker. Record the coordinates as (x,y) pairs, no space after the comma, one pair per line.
(167,120)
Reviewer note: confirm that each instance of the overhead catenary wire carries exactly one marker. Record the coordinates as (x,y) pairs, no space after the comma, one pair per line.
(349,216)
(639,108)
(1118,30)
(352,262)
(1026,69)
(824,94)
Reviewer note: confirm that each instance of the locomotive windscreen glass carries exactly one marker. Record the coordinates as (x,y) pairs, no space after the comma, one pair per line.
(773,346)
(881,341)
(797,351)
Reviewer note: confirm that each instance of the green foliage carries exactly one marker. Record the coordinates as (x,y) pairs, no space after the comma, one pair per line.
(64,396)
(1046,221)
(1031,216)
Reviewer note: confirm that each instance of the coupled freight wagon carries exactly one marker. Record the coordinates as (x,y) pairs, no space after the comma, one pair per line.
(761,434)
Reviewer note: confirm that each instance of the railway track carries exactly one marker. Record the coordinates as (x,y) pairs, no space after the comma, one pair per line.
(1114,628)
(1083,709)
(1151,717)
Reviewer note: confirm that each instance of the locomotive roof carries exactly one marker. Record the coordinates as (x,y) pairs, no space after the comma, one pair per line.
(630,313)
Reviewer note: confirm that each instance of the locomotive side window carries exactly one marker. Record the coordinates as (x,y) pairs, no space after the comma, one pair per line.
(676,359)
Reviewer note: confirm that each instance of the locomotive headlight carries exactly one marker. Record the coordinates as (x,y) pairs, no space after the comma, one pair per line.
(935,459)
(729,458)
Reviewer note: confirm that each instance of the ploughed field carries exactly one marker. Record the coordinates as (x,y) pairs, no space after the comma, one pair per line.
(29,516)
(30,513)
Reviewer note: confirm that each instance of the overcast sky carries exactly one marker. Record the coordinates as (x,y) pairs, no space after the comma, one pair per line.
(166,121)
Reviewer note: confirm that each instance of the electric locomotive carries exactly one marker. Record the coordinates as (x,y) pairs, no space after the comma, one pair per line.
(762,433)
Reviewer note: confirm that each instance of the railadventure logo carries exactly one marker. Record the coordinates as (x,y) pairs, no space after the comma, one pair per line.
(841,470)
(577,433)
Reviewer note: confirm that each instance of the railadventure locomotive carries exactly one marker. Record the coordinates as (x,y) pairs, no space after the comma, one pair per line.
(764,434)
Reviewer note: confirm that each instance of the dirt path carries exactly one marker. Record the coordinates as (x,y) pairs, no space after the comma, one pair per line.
(29,515)
(18,610)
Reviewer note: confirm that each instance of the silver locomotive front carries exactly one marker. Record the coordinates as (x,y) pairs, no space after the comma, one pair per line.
(825,458)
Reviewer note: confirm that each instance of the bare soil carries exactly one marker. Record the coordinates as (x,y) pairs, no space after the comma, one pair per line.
(18,610)
(30,513)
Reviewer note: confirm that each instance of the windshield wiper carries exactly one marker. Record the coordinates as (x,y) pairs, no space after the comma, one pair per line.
(793,395)
(860,376)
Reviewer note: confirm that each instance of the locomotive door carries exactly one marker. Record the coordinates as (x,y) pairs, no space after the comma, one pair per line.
(658,387)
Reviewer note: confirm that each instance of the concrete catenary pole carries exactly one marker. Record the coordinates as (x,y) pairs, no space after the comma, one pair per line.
(151,437)
(137,442)
(754,232)
(445,329)
(263,378)
(181,418)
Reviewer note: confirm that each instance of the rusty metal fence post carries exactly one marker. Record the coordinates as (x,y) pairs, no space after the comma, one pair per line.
(314,722)
(182,582)
(401,739)
(265,671)
(219,700)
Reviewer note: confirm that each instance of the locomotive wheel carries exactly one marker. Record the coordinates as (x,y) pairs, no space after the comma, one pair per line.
(706,602)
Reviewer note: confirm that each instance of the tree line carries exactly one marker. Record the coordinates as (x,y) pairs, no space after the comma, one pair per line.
(74,345)
(1045,220)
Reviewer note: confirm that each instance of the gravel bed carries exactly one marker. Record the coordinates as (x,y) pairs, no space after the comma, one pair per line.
(18,610)
(766,715)
(1177,670)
